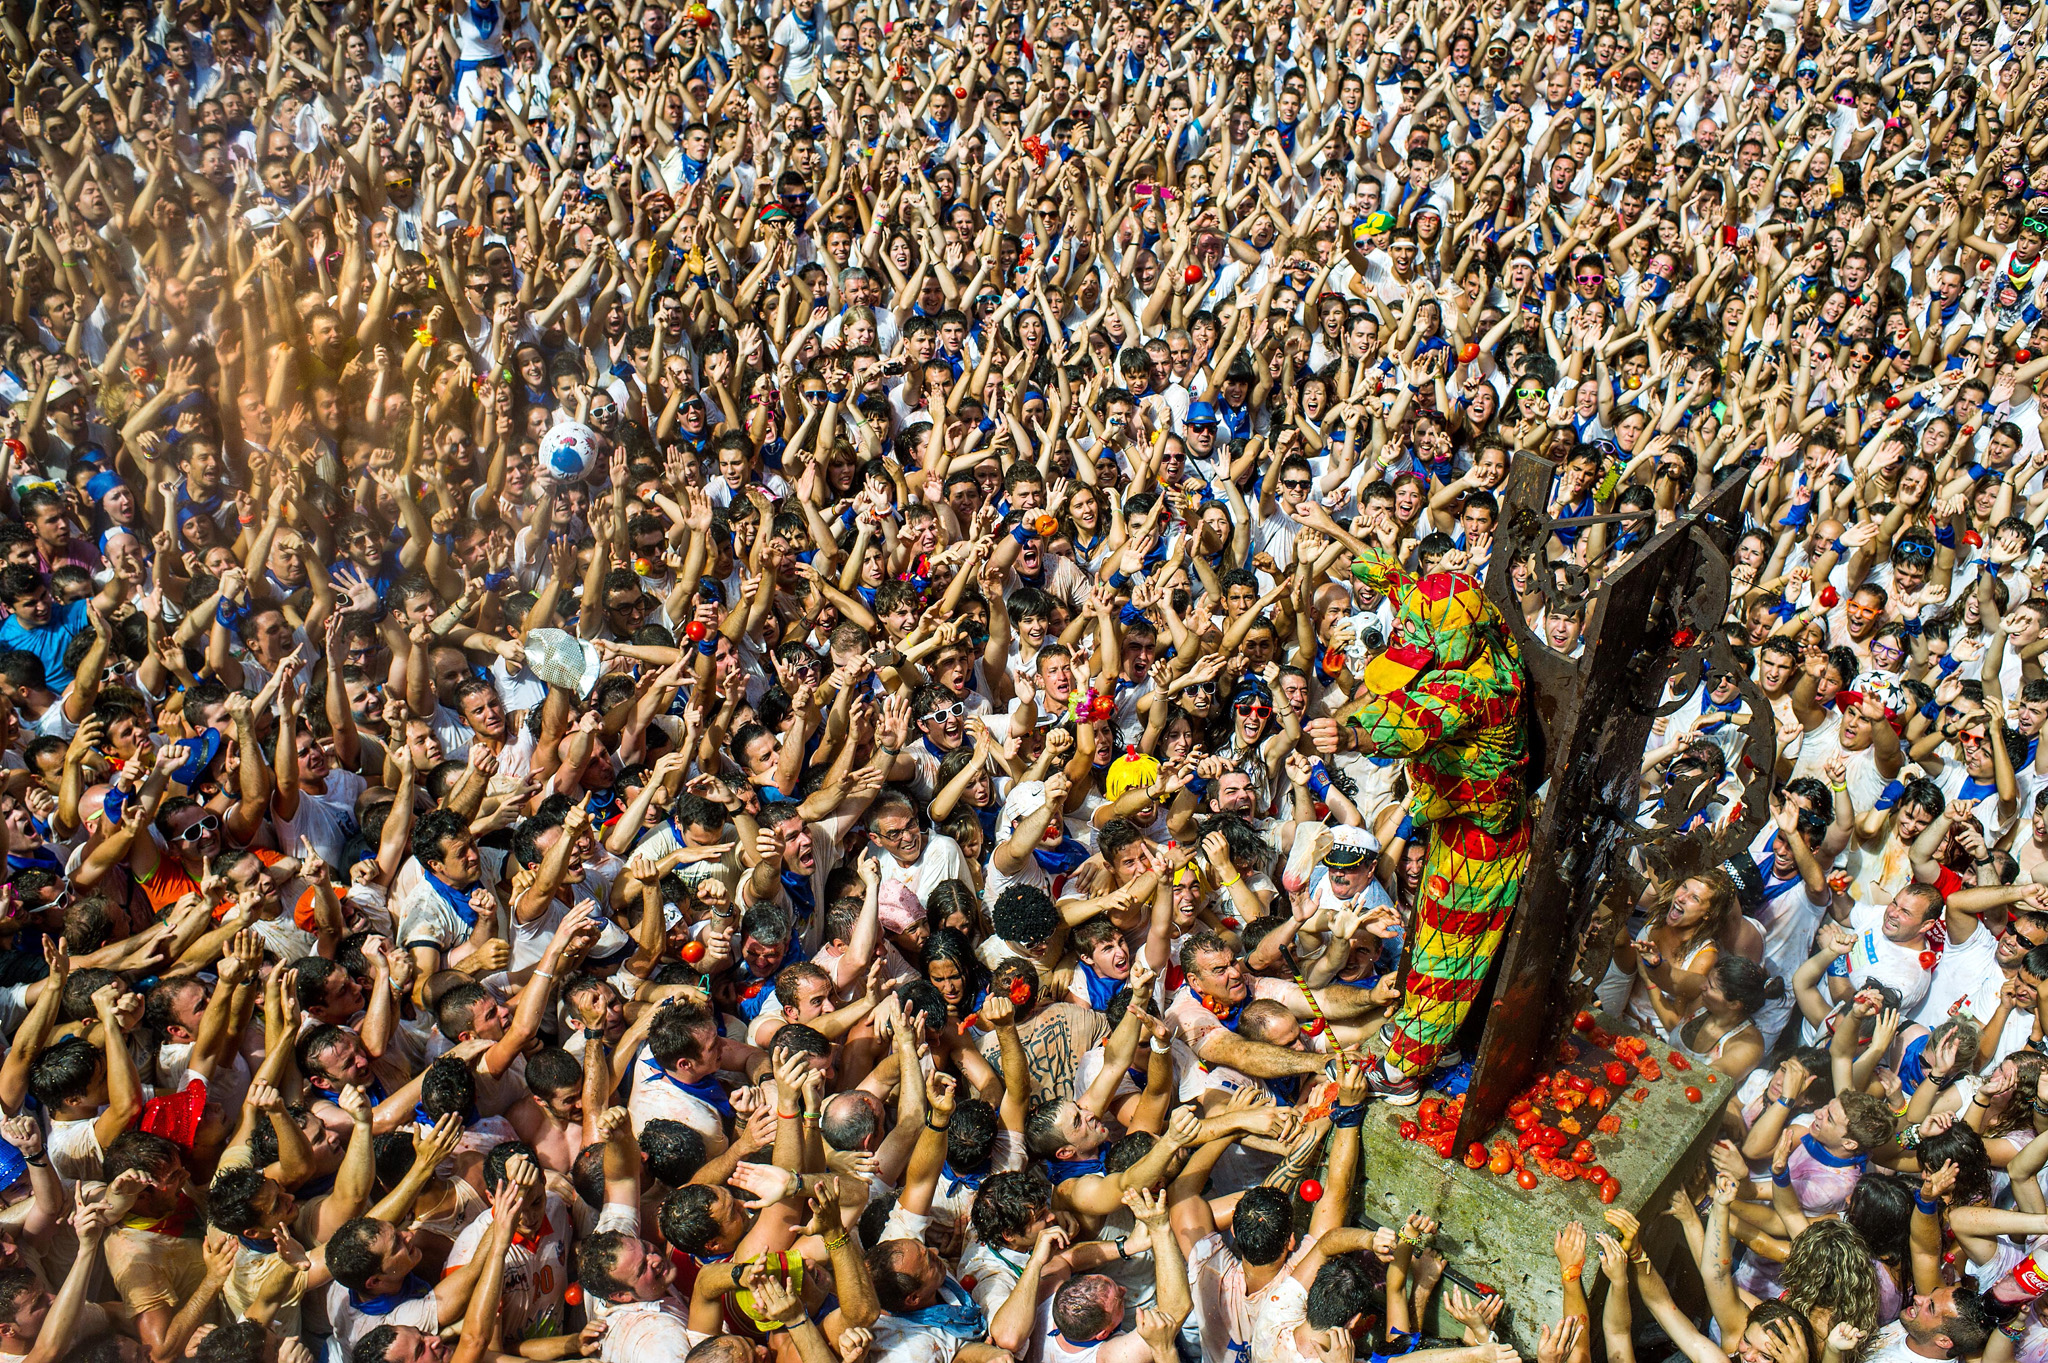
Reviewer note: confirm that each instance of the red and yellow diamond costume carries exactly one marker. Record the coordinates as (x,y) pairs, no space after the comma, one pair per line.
(1447,696)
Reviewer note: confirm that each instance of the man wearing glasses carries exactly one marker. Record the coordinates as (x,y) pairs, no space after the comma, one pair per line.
(942,718)
(1281,500)
(905,852)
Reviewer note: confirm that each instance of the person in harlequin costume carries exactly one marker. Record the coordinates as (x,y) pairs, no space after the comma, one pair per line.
(1446,696)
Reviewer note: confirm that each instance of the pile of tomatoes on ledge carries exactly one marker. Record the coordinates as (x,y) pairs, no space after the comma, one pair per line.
(1557,1141)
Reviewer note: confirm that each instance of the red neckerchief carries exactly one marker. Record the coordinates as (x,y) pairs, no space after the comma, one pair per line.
(532,1243)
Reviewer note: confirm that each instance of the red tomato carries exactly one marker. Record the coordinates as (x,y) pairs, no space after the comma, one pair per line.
(1475,1156)
(1610,1124)
(1564,1171)
(1609,1190)
(1692,1094)
(1650,1069)
(573,1294)
(1525,1140)
(1549,1137)
(1500,1162)
(1640,1094)
(1597,1099)
(1617,1074)
(1409,1131)
(1582,1153)
(1594,1173)
(1569,1125)
(1526,1179)
(1445,1143)
(1526,1119)
(1430,1114)
(1580,1083)
(1677,1061)
(1584,1022)
(1311,1191)
(1517,1108)
(1486,1289)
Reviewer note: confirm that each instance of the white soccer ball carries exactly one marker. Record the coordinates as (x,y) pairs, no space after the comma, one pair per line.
(568,451)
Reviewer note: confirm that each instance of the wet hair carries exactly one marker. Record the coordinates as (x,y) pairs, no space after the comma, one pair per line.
(951,944)
(1963,1147)
(674,1151)
(1263,1225)
(686,1220)
(971,1137)
(1008,1203)
(1342,1289)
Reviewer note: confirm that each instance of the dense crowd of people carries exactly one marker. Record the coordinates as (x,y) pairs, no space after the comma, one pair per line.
(684,681)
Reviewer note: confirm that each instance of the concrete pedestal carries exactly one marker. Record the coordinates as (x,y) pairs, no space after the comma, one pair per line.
(1494,1232)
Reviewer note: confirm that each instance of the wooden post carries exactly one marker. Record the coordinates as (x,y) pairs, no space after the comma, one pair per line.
(1657,615)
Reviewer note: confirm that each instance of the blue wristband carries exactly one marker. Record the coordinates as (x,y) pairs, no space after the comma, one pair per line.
(1924,1203)
(1343,1116)
(1839,968)
(1781,1178)
(1022,534)
(1319,782)
(706,647)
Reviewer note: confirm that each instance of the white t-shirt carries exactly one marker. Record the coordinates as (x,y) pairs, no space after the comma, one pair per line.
(1873,956)
(327,819)
(536,1270)
(1966,971)
(643,1330)
(350,1323)
(656,1094)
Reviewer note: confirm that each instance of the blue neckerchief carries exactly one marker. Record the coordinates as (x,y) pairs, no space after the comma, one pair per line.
(1821,1155)
(954,1313)
(956,1180)
(1775,884)
(1060,1170)
(801,896)
(374,1090)
(259,1246)
(693,169)
(1101,989)
(988,818)
(1060,860)
(1913,1063)
(1286,131)
(456,900)
(385,1303)
(704,1090)
(1284,1091)
(38,859)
